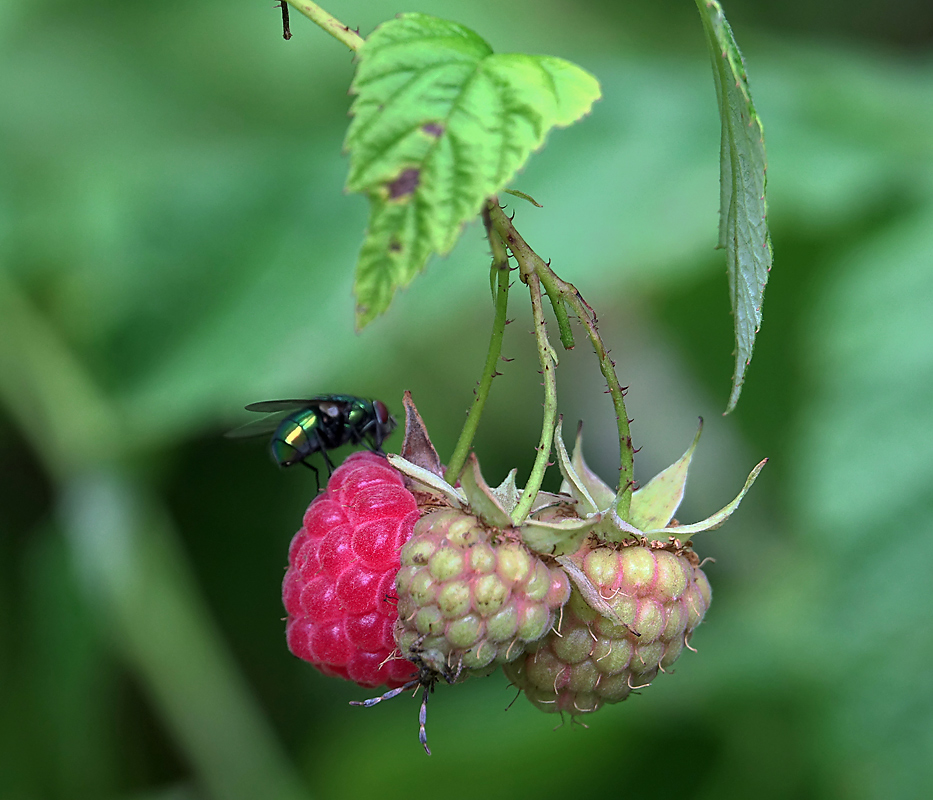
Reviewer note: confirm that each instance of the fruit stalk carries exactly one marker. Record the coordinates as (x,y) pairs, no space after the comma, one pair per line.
(548,360)
(329,23)
(532,263)
(500,272)
(587,317)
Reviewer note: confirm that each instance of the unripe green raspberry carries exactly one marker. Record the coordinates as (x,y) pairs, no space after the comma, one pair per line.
(471,597)
(660,594)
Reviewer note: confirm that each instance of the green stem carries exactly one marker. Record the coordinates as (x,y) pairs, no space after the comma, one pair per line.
(329,23)
(500,268)
(608,368)
(526,258)
(568,293)
(548,360)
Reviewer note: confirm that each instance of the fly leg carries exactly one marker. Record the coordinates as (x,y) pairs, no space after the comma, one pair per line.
(317,475)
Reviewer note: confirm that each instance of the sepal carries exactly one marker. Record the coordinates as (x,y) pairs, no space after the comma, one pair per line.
(655,503)
(557,538)
(600,493)
(590,593)
(577,483)
(423,480)
(684,532)
(481,499)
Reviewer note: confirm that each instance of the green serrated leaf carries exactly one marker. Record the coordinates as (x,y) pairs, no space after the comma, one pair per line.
(743,209)
(684,532)
(655,503)
(393,252)
(440,123)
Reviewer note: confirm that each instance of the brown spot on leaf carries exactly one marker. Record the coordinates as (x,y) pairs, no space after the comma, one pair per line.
(433,129)
(406,183)
(395,246)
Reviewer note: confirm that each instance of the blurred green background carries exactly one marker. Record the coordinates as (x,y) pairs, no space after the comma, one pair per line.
(175,243)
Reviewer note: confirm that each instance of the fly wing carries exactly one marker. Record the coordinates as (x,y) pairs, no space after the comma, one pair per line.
(277,410)
(266,406)
(259,427)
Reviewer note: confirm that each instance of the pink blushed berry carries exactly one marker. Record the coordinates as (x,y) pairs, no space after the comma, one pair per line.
(339,590)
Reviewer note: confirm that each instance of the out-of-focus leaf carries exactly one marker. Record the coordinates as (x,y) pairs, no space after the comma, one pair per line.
(132,569)
(440,124)
(66,673)
(743,223)
(862,487)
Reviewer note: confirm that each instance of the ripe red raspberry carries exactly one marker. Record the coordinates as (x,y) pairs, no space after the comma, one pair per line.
(658,591)
(339,590)
(472,597)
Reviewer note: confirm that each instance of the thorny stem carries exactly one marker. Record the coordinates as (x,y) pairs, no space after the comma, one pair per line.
(548,360)
(525,256)
(557,288)
(499,270)
(606,365)
(331,24)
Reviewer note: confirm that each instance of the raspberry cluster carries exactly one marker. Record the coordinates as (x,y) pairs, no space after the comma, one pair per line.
(401,579)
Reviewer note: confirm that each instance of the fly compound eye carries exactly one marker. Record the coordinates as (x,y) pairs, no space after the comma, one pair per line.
(382,413)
